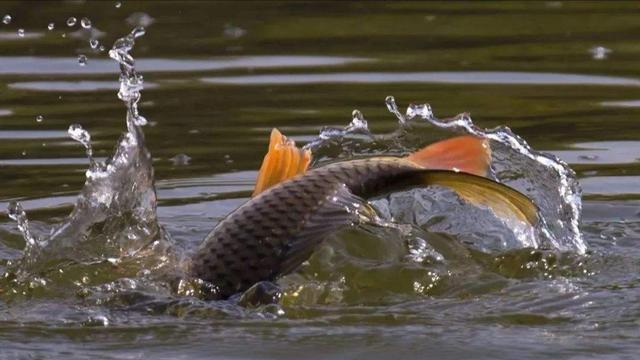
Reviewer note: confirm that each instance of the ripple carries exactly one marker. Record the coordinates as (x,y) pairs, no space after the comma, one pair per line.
(601,152)
(444,77)
(29,65)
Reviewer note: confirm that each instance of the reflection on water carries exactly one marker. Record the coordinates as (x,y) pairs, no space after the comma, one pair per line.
(602,152)
(622,103)
(48,161)
(32,134)
(27,65)
(70,86)
(445,77)
(16,35)
(611,185)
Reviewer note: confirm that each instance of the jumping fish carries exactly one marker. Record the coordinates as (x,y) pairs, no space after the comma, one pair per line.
(293,209)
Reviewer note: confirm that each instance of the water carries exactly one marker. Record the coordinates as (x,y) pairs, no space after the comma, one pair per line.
(451,292)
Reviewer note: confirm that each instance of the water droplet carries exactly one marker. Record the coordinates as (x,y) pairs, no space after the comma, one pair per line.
(390,101)
(138,31)
(14,209)
(39,118)
(358,122)
(82,60)
(24,152)
(21,32)
(17,214)
(77,133)
(71,21)
(6,19)
(64,35)
(85,23)
(51,26)
(233,31)
(600,52)
(118,5)
(101,48)
(181,160)
(421,110)
(94,43)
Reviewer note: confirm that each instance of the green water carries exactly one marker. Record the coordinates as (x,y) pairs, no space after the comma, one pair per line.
(219,76)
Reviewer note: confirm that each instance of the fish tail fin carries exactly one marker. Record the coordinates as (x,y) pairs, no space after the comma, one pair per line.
(480,191)
(467,153)
(283,161)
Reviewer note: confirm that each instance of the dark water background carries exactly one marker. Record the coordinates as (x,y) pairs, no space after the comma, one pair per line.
(219,76)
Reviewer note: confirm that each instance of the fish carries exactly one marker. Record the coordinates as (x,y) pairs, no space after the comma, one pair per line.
(294,208)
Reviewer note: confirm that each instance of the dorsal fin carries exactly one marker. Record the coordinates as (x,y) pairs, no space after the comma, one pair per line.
(468,154)
(283,161)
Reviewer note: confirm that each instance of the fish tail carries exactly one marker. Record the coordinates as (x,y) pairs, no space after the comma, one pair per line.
(503,200)
(467,153)
(469,158)
(283,161)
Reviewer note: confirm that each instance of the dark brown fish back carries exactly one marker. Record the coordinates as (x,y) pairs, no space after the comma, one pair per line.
(257,241)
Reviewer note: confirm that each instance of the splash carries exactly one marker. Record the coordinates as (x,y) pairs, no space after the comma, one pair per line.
(114,220)
(115,214)
(546,179)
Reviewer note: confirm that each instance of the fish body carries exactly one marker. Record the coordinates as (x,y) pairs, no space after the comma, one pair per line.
(259,240)
(279,228)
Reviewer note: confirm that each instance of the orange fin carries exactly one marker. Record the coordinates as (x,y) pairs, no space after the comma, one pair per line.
(283,161)
(468,154)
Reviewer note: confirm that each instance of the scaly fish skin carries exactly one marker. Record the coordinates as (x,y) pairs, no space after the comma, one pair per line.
(254,242)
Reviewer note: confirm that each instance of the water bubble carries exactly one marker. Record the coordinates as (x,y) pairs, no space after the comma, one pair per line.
(101,48)
(94,43)
(71,21)
(39,118)
(118,5)
(85,23)
(21,32)
(82,60)
(51,26)
(6,19)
